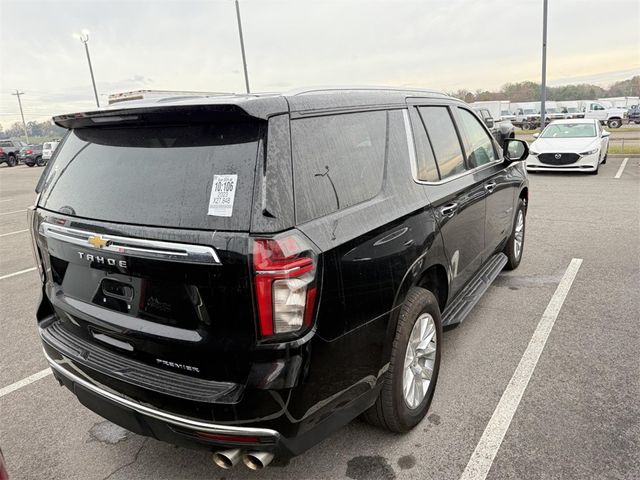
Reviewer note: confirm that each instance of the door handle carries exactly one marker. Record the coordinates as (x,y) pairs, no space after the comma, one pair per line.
(449,210)
(490,186)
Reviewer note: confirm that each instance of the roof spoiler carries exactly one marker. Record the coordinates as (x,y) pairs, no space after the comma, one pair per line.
(190,113)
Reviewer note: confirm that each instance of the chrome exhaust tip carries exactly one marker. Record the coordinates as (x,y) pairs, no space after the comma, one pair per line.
(227,459)
(257,460)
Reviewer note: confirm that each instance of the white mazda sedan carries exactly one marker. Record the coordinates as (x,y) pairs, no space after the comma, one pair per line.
(576,145)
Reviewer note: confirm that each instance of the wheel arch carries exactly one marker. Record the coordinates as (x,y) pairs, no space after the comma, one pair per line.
(428,271)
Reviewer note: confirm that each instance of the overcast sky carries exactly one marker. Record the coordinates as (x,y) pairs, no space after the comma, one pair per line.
(193,45)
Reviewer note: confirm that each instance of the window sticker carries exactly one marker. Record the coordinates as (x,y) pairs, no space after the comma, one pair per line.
(223,192)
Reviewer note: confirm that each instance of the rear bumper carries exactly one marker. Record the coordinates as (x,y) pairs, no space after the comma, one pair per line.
(150,421)
(251,428)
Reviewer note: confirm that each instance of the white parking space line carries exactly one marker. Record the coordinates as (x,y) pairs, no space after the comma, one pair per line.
(489,444)
(24,382)
(17,273)
(13,233)
(621,169)
(6,200)
(10,213)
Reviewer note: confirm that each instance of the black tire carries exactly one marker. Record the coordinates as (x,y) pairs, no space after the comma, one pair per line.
(513,259)
(390,411)
(29,164)
(606,154)
(614,123)
(595,172)
(11,161)
(40,162)
(526,126)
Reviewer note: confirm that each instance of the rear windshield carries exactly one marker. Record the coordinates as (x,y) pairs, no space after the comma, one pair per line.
(47,146)
(157,175)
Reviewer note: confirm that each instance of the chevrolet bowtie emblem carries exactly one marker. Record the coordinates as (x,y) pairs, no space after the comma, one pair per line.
(98,242)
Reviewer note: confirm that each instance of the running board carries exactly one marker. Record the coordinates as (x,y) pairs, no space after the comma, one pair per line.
(464,302)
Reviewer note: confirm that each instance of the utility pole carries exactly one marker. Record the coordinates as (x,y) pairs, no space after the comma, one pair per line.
(244,58)
(543,92)
(24,124)
(84,38)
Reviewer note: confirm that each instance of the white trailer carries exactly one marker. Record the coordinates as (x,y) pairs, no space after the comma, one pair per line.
(620,102)
(499,109)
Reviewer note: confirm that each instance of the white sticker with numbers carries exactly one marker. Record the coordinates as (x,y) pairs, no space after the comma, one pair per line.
(223,192)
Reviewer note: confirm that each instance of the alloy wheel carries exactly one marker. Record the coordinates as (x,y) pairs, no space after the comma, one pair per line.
(518,238)
(419,361)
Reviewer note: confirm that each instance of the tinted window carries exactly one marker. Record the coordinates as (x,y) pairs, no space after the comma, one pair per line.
(338,161)
(6,144)
(427,171)
(444,140)
(481,146)
(156,175)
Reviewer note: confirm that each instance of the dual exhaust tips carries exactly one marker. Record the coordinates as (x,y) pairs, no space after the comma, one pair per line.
(227,459)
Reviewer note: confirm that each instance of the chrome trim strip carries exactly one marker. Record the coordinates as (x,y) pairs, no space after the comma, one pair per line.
(277,272)
(134,247)
(177,420)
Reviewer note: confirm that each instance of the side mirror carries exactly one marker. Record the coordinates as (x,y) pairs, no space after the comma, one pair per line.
(536,135)
(489,122)
(605,133)
(515,150)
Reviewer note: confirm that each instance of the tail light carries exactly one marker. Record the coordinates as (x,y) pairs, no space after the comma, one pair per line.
(31,218)
(29,152)
(1,150)
(285,283)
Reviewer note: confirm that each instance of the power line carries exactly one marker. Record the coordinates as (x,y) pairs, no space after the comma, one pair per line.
(24,124)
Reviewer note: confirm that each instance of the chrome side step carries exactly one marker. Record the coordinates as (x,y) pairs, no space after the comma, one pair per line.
(467,298)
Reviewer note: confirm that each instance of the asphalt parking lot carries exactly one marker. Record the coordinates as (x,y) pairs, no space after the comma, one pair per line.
(578,417)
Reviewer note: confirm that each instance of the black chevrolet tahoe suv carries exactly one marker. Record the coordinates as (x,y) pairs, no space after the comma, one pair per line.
(248,273)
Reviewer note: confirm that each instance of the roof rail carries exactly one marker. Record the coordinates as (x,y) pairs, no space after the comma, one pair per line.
(319,89)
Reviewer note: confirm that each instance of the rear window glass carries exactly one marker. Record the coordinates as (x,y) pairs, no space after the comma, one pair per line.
(444,140)
(338,161)
(46,146)
(155,175)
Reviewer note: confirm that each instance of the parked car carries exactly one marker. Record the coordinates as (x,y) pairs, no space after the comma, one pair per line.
(47,150)
(31,155)
(526,116)
(9,150)
(613,117)
(634,114)
(292,271)
(501,129)
(571,109)
(570,145)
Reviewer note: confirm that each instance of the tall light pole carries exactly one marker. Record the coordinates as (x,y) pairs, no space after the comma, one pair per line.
(543,88)
(84,38)
(244,58)
(24,124)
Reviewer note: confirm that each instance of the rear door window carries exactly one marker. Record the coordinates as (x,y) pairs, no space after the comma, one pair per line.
(444,139)
(155,175)
(480,148)
(338,161)
(426,170)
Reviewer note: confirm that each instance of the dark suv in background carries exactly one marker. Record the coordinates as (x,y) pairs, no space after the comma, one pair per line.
(31,155)
(249,273)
